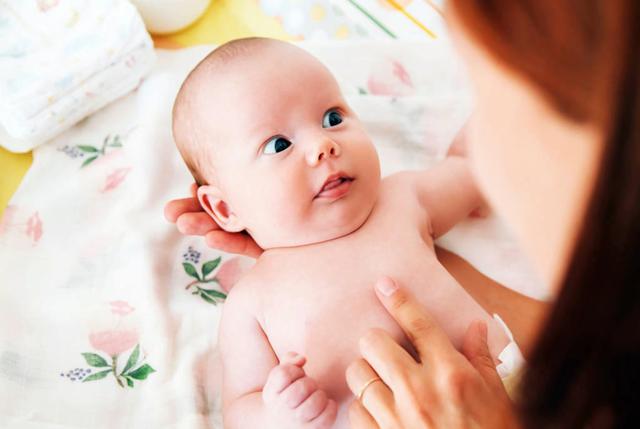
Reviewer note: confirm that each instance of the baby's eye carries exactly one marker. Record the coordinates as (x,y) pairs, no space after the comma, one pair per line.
(331,119)
(275,145)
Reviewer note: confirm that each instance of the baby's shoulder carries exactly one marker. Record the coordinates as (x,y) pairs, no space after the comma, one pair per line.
(243,294)
(399,185)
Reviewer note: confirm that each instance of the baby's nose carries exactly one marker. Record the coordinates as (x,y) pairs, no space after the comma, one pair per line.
(326,148)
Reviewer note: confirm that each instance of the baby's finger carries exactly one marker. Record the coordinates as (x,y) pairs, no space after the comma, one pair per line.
(419,326)
(174,208)
(298,391)
(280,378)
(313,406)
(327,417)
(196,223)
(294,359)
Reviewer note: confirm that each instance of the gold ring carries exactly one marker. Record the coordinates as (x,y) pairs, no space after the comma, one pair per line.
(367,384)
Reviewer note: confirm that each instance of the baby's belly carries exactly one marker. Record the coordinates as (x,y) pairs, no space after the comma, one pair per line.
(327,333)
(322,313)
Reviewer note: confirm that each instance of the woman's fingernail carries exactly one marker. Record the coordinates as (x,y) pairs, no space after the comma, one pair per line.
(386,286)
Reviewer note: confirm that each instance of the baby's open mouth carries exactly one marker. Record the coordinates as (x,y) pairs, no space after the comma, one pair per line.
(335,186)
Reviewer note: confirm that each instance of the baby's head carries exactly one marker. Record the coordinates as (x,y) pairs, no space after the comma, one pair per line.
(275,149)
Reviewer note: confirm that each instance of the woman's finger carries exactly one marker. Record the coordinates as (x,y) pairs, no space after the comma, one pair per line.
(174,208)
(196,223)
(423,331)
(236,242)
(359,417)
(372,392)
(387,358)
(476,350)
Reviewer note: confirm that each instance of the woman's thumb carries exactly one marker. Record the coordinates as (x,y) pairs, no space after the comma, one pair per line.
(476,350)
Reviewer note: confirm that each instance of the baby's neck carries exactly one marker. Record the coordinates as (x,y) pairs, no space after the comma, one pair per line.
(316,244)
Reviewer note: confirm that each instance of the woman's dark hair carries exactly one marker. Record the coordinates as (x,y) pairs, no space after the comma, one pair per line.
(584,58)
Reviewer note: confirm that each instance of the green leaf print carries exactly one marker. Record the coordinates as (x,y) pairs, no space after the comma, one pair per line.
(89,161)
(208,299)
(133,359)
(129,382)
(142,372)
(95,360)
(97,376)
(87,148)
(116,142)
(208,267)
(214,293)
(191,270)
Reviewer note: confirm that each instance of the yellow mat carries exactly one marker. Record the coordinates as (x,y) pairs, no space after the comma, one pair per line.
(223,21)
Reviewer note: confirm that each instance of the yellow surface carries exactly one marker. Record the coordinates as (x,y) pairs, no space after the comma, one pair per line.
(13,166)
(224,20)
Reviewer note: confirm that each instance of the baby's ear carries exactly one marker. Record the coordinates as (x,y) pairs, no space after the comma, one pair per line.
(211,200)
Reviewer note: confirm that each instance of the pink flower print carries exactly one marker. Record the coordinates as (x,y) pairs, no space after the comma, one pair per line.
(34,227)
(7,217)
(231,271)
(113,342)
(114,179)
(45,5)
(121,307)
(391,79)
(130,61)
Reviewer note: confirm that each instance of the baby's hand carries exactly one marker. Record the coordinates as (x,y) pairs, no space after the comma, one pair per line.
(293,398)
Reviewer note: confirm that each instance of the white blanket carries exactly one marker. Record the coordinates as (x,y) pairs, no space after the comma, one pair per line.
(60,61)
(108,316)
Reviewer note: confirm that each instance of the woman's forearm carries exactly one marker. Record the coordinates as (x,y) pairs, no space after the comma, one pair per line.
(523,315)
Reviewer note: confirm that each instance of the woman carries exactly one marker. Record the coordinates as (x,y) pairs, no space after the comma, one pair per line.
(555,145)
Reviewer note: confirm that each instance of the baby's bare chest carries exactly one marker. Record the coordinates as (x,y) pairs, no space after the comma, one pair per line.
(320,302)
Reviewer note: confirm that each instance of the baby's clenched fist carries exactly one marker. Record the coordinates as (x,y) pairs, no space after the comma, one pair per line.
(294,399)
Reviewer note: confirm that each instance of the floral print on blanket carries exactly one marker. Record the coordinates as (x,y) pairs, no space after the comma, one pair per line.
(89,152)
(390,78)
(114,179)
(202,277)
(15,220)
(113,343)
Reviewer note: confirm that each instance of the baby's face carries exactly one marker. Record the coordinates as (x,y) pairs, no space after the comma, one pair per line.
(291,159)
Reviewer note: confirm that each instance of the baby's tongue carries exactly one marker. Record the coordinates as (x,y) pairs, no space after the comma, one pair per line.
(332,184)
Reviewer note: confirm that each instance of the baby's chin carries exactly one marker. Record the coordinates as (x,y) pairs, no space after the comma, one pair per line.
(315,234)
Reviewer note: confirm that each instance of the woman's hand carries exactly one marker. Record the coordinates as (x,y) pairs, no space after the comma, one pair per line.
(191,219)
(444,389)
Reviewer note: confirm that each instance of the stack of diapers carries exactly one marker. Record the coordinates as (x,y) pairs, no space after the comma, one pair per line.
(60,61)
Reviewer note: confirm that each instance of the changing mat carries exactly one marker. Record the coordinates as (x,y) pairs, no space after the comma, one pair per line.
(108,316)
(63,60)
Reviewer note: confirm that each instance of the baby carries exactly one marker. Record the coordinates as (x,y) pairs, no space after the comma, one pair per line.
(278,153)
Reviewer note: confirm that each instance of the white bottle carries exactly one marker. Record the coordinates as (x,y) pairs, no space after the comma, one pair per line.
(169,16)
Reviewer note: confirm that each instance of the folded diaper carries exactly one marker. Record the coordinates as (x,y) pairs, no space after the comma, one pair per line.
(60,61)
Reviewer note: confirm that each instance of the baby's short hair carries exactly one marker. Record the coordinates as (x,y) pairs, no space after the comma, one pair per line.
(185,121)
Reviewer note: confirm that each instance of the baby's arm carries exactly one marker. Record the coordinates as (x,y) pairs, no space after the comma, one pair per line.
(258,390)
(448,193)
